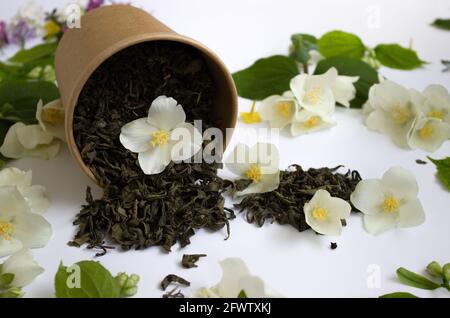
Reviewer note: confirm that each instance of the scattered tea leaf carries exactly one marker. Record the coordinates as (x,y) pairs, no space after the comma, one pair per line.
(368,76)
(421,162)
(395,56)
(415,280)
(190,260)
(442,24)
(443,170)
(339,43)
(266,77)
(170,279)
(447,66)
(333,245)
(398,295)
(174,293)
(285,205)
(85,279)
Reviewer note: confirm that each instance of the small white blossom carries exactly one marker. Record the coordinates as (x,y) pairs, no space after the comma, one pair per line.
(51,118)
(35,195)
(389,202)
(236,278)
(23,267)
(278,110)
(307,122)
(324,213)
(19,227)
(428,133)
(433,102)
(156,137)
(393,113)
(258,164)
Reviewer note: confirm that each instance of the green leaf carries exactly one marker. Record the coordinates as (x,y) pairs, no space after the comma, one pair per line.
(442,24)
(242,294)
(266,77)
(19,97)
(395,56)
(415,280)
(398,295)
(35,53)
(301,45)
(443,170)
(95,281)
(339,43)
(368,76)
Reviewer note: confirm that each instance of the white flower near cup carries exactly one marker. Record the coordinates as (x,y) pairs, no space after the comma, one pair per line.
(237,281)
(389,202)
(156,138)
(258,164)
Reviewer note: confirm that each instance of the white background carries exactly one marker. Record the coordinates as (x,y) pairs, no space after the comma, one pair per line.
(296,264)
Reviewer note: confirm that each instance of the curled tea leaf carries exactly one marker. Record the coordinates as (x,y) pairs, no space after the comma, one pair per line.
(171,278)
(190,260)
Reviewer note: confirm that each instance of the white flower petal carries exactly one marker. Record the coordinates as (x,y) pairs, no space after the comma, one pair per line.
(308,122)
(15,177)
(429,134)
(400,182)
(233,270)
(136,136)
(187,141)
(56,127)
(165,113)
(343,89)
(24,268)
(380,222)
(205,293)
(238,162)
(268,182)
(387,95)
(438,95)
(279,111)
(297,86)
(12,203)
(32,136)
(36,197)
(8,247)
(253,286)
(411,213)
(32,230)
(381,121)
(156,159)
(368,196)
(338,207)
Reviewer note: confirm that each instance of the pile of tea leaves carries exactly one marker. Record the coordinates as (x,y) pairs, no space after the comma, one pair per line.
(297,186)
(138,210)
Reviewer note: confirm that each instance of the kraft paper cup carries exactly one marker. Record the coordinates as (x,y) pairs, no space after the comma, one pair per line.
(110,29)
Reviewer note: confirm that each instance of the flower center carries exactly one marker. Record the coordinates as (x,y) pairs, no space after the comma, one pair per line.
(390,204)
(6,230)
(313,95)
(160,137)
(426,131)
(436,113)
(400,114)
(283,109)
(320,214)
(53,116)
(312,122)
(254,173)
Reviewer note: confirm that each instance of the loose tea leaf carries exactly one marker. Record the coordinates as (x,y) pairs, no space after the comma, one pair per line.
(188,261)
(138,210)
(174,294)
(169,279)
(285,205)
(333,245)
(421,162)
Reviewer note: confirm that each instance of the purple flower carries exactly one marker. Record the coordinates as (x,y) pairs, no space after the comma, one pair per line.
(94,4)
(3,34)
(21,31)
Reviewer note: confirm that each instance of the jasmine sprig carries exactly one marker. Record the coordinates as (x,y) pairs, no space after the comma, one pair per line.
(413,279)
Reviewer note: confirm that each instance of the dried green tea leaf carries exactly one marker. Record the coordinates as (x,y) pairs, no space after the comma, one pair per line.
(170,279)
(421,162)
(285,205)
(174,294)
(190,260)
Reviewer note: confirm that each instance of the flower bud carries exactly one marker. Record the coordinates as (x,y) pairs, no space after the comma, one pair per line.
(434,269)
(446,271)
(129,292)
(121,279)
(132,281)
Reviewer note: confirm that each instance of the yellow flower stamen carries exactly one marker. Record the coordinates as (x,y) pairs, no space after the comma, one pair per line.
(390,204)
(53,116)
(312,122)
(426,131)
(284,109)
(436,113)
(313,95)
(6,230)
(160,138)
(400,114)
(52,28)
(251,117)
(320,214)
(254,173)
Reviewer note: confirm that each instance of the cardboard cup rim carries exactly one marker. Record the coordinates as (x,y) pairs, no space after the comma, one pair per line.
(121,45)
